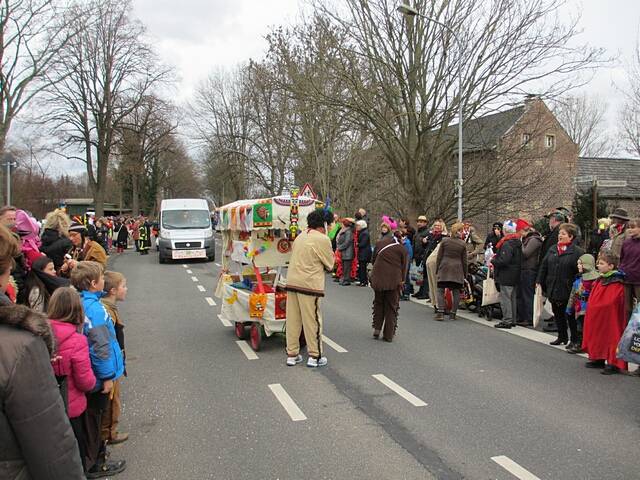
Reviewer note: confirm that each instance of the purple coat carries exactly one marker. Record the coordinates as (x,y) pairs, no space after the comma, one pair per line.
(75,364)
(630,260)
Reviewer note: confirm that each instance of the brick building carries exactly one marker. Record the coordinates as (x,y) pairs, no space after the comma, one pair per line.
(518,162)
(608,172)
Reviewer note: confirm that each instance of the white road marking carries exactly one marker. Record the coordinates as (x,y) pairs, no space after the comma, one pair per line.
(218,265)
(201,288)
(408,396)
(211,301)
(185,266)
(224,321)
(189,272)
(287,402)
(514,469)
(334,345)
(195,279)
(247,350)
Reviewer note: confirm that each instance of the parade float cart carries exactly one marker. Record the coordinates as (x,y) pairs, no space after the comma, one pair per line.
(257,236)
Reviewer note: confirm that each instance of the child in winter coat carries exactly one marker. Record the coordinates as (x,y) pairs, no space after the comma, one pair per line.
(115,286)
(72,357)
(605,320)
(106,360)
(577,305)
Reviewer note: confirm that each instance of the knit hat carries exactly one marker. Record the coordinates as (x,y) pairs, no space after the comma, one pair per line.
(522,224)
(509,227)
(589,271)
(78,228)
(361,224)
(497,225)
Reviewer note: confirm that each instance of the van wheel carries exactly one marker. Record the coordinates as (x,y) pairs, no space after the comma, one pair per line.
(161,259)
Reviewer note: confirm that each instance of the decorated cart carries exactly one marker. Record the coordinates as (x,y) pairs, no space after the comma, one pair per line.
(257,236)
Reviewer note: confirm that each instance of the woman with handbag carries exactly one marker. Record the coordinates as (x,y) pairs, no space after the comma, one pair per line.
(557,272)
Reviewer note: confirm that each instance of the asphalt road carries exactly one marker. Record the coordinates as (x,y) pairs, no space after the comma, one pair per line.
(474,402)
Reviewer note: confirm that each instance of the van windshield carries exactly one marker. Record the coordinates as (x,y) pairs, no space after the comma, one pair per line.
(186,219)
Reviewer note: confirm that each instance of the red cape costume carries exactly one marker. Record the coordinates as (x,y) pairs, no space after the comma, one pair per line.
(605,320)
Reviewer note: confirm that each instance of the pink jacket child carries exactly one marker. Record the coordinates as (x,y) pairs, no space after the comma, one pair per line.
(75,364)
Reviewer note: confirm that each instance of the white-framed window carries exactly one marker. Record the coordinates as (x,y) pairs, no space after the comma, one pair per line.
(550,141)
(526,138)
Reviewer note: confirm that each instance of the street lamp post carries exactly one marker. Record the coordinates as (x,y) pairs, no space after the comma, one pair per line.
(10,163)
(412,12)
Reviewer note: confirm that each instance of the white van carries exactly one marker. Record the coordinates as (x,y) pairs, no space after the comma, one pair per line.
(185,230)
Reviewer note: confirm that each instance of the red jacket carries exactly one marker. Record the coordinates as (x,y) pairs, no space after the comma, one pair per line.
(75,364)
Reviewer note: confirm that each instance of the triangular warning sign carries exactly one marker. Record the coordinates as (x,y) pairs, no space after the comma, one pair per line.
(307,191)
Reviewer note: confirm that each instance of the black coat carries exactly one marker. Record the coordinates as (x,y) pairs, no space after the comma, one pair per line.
(492,239)
(508,263)
(35,435)
(55,246)
(418,246)
(549,241)
(364,245)
(557,273)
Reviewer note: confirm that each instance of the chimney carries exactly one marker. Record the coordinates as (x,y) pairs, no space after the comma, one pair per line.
(529,97)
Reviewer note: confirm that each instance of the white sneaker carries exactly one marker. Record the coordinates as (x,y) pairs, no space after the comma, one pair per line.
(316,362)
(293,361)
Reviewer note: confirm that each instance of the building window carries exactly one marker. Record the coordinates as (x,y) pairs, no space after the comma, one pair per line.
(550,141)
(526,138)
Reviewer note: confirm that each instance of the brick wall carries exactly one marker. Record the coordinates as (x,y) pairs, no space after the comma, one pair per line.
(535,163)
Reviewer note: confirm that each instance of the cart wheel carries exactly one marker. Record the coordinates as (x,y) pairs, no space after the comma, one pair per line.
(448,297)
(255,336)
(240,333)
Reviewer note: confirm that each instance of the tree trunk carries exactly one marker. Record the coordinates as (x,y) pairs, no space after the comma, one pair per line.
(135,195)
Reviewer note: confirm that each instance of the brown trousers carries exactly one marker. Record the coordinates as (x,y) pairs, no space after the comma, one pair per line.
(386,304)
(111,414)
(303,313)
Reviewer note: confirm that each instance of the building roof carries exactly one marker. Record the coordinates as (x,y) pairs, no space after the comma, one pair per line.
(484,132)
(613,169)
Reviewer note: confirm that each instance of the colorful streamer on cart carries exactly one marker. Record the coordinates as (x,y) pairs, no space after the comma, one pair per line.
(293,213)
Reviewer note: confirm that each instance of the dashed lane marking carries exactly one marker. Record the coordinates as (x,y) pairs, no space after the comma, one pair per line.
(224,321)
(211,301)
(287,402)
(185,266)
(514,469)
(189,272)
(408,396)
(218,265)
(334,345)
(195,279)
(246,349)
(201,288)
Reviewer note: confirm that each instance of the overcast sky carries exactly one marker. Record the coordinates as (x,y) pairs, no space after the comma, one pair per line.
(198,36)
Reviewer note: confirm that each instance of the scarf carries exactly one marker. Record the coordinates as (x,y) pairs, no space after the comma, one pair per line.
(506,238)
(51,282)
(609,274)
(562,247)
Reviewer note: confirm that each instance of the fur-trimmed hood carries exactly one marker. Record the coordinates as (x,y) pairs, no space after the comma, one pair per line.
(19,316)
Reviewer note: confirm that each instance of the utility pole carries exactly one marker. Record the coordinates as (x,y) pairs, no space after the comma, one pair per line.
(594,208)
(9,162)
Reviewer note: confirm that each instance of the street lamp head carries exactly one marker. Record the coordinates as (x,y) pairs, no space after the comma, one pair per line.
(406,9)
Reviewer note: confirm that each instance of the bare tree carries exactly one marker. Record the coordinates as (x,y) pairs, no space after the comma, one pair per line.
(31,37)
(220,123)
(400,75)
(583,118)
(630,116)
(141,139)
(105,72)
